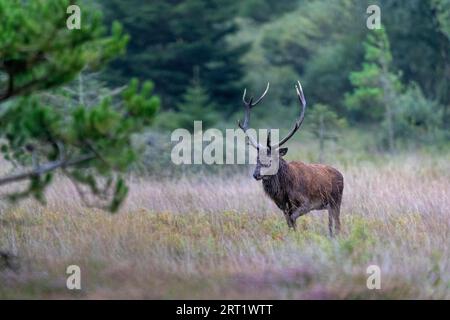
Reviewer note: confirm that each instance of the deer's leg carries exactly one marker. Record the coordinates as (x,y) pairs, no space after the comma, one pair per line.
(330,222)
(291,224)
(286,210)
(287,215)
(337,221)
(333,216)
(298,212)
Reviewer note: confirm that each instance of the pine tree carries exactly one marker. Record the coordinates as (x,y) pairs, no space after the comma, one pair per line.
(42,131)
(169,37)
(376,86)
(197,106)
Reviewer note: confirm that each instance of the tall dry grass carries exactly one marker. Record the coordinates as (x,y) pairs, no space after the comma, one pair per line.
(220,237)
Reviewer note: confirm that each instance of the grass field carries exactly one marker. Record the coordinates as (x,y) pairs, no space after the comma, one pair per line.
(220,237)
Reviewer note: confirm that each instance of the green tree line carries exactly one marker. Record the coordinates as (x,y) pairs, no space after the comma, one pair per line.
(73,101)
(326,44)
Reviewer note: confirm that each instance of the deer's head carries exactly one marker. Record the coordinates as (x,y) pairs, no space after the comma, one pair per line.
(269,154)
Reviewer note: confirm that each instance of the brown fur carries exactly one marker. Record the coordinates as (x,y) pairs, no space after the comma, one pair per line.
(299,188)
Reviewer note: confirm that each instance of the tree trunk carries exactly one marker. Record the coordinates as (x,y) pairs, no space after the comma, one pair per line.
(388,99)
(321,139)
(390,127)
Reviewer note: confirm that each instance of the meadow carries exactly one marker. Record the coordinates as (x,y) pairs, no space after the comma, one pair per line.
(218,236)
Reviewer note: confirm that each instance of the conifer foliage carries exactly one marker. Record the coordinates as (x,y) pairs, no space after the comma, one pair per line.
(89,143)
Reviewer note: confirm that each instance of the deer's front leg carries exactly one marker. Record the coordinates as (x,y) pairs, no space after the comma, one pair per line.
(298,212)
(290,222)
(286,208)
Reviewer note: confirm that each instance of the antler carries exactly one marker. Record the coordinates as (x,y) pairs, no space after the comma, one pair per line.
(247,107)
(250,104)
(298,123)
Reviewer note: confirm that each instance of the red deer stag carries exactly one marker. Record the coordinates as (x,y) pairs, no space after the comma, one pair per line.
(296,188)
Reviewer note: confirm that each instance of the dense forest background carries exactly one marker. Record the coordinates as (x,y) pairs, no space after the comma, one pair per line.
(202,54)
(101,101)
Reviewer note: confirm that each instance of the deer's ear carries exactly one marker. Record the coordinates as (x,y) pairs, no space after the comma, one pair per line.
(282,151)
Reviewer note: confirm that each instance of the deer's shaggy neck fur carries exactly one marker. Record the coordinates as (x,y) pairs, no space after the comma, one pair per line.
(275,185)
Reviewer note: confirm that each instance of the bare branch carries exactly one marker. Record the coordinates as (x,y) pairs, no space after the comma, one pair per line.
(113,93)
(45,168)
(12,92)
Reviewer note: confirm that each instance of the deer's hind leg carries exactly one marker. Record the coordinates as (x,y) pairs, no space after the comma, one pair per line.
(333,218)
(330,222)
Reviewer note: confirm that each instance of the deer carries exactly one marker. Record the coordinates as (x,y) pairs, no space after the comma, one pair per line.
(297,187)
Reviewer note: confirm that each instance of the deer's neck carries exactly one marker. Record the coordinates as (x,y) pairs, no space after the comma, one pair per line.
(274,185)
